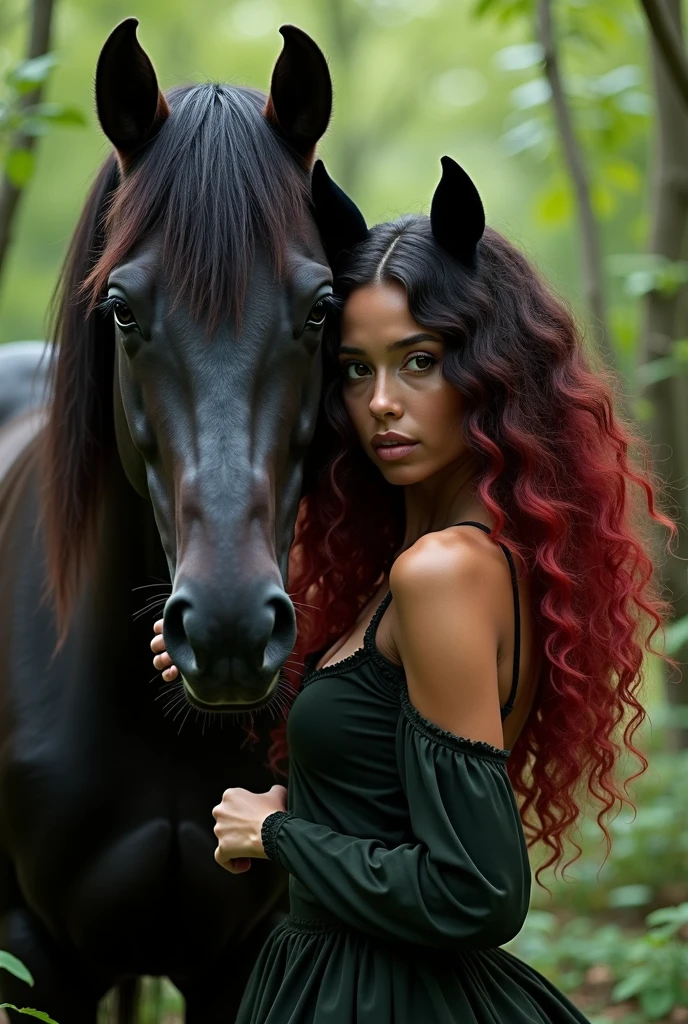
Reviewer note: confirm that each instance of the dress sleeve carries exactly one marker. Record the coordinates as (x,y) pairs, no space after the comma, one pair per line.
(465,882)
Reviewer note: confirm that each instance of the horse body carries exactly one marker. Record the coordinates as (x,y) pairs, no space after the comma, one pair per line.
(104,803)
(22,377)
(106,841)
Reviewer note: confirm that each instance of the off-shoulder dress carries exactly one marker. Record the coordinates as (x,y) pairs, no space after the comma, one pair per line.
(407,861)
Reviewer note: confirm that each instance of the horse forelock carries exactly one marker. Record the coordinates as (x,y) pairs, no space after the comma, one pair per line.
(216,179)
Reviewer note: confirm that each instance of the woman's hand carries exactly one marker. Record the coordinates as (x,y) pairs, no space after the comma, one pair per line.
(162,659)
(239,820)
(240,816)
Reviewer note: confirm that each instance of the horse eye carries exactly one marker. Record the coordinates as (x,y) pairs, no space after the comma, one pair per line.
(123,315)
(316,317)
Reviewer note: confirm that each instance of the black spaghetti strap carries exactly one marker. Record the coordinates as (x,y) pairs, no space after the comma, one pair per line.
(517,618)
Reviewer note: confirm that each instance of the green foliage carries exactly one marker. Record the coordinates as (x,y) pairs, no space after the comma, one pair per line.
(19,165)
(17,118)
(504,10)
(647,272)
(29,1012)
(676,632)
(649,856)
(651,968)
(651,373)
(14,966)
(414,79)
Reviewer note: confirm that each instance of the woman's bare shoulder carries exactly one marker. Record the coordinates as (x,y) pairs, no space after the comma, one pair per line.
(441,555)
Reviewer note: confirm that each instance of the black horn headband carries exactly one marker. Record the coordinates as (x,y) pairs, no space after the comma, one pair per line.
(457,217)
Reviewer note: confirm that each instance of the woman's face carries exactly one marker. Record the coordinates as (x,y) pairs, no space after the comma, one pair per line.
(392,381)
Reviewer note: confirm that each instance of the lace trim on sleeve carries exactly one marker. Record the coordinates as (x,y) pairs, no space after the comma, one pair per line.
(461,744)
(268,833)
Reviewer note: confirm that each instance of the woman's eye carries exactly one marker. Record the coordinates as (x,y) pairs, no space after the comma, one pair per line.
(316,317)
(429,361)
(123,315)
(354,366)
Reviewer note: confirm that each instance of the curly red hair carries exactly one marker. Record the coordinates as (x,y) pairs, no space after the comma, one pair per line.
(567,481)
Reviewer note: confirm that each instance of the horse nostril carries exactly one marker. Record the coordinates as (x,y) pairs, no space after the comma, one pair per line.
(176,639)
(283,633)
(240,649)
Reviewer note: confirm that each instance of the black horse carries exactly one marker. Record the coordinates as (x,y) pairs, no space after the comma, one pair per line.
(173,448)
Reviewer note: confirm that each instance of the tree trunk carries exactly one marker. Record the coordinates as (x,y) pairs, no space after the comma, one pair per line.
(10,195)
(669,43)
(666,321)
(591,264)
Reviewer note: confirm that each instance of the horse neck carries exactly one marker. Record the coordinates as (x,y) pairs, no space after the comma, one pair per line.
(128,556)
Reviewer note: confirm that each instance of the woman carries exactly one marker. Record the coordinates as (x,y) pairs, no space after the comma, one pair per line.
(459,405)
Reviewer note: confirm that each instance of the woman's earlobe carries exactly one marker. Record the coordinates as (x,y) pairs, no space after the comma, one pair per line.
(457,216)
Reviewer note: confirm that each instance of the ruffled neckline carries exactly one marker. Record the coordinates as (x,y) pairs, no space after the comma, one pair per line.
(367,650)
(396,675)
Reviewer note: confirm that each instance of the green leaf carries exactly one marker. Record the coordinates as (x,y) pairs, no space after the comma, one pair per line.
(657,369)
(618,79)
(629,896)
(641,282)
(531,94)
(648,272)
(32,126)
(632,984)
(10,963)
(31,73)
(19,166)
(657,1002)
(676,636)
(504,10)
(677,916)
(518,57)
(523,136)
(671,715)
(29,1012)
(57,113)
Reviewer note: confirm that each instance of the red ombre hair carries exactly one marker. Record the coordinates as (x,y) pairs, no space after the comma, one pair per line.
(567,481)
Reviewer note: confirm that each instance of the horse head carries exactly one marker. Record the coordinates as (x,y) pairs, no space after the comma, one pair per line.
(189,329)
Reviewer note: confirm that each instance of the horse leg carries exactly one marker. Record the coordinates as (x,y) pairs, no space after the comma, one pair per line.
(62,989)
(215,997)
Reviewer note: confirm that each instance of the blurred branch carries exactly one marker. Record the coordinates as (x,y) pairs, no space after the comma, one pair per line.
(669,43)
(591,262)
(10,193)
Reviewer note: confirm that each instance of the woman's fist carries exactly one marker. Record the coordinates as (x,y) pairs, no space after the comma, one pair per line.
(162,659)
(238,825)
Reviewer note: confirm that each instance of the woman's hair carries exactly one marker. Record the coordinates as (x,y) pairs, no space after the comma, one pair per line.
(566,479)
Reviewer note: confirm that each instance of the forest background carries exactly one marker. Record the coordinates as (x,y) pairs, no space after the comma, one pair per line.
(572,118)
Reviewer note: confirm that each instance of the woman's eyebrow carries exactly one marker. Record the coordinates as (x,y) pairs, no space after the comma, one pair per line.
(414,339)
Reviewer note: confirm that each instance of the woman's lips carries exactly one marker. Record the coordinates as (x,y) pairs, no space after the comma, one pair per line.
(389,452)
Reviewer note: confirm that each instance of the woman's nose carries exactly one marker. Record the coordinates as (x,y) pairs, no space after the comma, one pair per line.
(384,399)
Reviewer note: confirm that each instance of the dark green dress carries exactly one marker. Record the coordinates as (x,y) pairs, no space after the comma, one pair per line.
(407,861)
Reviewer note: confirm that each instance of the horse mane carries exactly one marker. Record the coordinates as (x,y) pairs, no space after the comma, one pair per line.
(215,181)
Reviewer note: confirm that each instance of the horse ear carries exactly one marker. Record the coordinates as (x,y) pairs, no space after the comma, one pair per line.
(340,222)
(300,102)
(129,103)
(457,216)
